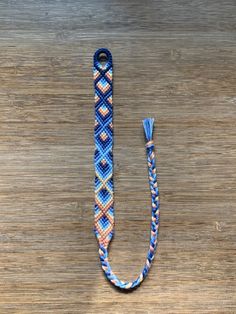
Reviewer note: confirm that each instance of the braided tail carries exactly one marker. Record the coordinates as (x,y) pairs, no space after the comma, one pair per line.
(148,125)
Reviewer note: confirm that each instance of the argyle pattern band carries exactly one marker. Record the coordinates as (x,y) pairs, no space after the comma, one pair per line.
(103,161)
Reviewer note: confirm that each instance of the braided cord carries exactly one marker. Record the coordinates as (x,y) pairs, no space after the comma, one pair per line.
(103,160)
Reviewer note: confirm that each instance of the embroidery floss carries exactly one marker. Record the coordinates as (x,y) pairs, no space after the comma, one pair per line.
(103,160)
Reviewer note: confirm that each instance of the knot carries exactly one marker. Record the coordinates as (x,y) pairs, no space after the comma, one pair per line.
(149,144)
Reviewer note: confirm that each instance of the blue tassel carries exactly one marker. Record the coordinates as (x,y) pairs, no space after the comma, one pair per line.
(148,126)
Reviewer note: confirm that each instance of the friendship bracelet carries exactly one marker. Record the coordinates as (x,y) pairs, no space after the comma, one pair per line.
(103,160)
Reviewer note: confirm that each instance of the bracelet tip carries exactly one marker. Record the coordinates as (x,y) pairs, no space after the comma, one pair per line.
(148,126)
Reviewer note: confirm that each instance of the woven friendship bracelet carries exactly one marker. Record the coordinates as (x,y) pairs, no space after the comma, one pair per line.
(103,160)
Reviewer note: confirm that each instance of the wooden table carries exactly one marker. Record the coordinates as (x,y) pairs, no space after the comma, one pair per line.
(174,61)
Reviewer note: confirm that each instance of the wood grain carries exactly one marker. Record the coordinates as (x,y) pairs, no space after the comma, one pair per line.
(174,61)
